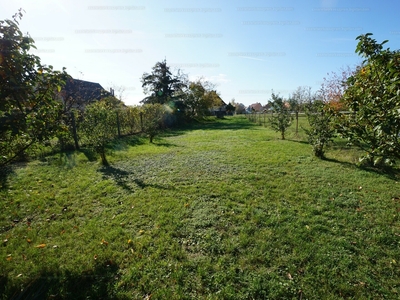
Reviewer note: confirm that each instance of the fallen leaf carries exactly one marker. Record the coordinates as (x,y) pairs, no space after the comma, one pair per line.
(104,242)
(29,240)
(40,246)
(19,275)
(289,276)
(141,231)
(130,241)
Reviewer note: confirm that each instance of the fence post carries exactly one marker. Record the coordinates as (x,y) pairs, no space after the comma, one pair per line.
(141,121)
(74,134)
(264,116)
(118,125)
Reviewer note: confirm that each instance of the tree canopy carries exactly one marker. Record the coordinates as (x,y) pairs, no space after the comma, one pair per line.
(161,85)
(29,111)
(373,98)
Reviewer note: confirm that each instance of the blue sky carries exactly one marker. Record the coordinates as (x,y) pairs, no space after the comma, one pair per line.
(246,47)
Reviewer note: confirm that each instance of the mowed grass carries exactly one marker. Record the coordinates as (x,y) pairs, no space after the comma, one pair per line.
(223,210)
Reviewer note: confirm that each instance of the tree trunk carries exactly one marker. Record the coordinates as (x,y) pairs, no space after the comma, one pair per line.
(74,134)
(104,159)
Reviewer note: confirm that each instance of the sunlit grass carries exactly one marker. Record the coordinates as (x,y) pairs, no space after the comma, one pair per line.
(223,210)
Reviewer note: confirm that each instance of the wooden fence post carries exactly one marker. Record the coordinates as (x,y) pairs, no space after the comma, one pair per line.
(74,134)
(141,121)
(118,125)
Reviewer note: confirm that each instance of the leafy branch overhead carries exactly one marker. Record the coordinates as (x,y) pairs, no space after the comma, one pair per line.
(373,98)
(29,111)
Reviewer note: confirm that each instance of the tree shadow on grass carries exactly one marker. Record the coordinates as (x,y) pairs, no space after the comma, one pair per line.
(298,141)
(90,154)
(122,178)
(221,125)
(211,124)
(119,176)
(4,173)
(162,143)
(53,284)
(387,171)
(125,142)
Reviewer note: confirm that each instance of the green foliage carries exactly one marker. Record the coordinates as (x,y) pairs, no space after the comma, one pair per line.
(204,214)
(153,116)
(99,127)
(281,118)
(29,113)
(373,98)
(321,129)
(199,98)
(130,119)
(161,85)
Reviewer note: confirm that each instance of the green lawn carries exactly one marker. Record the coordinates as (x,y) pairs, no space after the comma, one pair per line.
(223,210)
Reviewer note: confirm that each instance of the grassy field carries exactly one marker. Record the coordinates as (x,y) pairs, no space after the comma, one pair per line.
(223,210)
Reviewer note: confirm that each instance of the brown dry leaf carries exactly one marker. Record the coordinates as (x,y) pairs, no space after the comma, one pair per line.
(9,257)
(104,242)
(40,246)
(29,240)
(289,276)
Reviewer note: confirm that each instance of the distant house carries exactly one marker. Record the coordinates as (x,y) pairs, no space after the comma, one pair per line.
(78,93)
(255,107)
(219,108)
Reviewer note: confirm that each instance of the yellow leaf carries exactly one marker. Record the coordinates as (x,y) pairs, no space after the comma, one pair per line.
(141,231)
(40,246)
(130,241)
